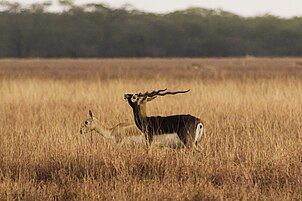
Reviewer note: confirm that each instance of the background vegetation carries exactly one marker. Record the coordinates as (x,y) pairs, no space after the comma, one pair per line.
(251,150)
(96,30)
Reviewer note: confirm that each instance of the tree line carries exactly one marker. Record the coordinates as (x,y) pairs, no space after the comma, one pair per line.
(97,30)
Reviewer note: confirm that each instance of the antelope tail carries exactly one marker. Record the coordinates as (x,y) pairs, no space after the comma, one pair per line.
(198,133)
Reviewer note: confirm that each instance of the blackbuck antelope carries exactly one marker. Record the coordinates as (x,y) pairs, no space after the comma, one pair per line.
(114,134)
(188,128)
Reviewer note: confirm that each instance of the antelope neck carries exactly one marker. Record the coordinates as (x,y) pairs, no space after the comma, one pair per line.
(104,132)
(139,115)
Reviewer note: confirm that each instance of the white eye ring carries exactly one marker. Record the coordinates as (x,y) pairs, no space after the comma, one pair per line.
(134,98)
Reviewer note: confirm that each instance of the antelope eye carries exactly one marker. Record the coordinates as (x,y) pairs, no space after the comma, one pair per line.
(133,98)
(86,122)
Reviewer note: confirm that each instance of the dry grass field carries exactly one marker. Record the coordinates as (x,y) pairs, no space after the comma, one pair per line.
(251,107)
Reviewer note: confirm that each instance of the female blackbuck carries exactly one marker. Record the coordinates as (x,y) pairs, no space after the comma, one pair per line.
(114,134)
(188,128)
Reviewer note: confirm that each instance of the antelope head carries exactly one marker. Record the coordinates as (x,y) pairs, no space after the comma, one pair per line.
(141,98)
(89,124)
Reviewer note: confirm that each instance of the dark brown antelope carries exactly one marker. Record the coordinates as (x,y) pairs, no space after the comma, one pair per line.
(188,128)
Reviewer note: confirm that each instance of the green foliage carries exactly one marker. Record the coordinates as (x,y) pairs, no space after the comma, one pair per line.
(96,30)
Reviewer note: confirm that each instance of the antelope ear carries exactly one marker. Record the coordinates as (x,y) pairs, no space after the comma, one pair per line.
(90,114)
(141,100)
(151,98)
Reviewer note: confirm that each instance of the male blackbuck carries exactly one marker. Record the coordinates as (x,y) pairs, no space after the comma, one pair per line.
(115,136)
(188,128)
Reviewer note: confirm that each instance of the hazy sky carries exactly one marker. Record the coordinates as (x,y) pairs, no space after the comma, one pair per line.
(284,8)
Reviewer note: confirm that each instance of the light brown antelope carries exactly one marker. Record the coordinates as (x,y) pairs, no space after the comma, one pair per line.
(114,134)
(188,128)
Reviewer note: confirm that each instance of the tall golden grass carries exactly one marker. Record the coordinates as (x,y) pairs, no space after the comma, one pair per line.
(252,148)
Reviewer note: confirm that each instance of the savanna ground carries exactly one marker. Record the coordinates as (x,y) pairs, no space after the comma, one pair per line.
(251,107)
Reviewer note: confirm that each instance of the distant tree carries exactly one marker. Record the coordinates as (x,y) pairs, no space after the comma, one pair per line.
(40,7)
(11,7)
(96,30)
